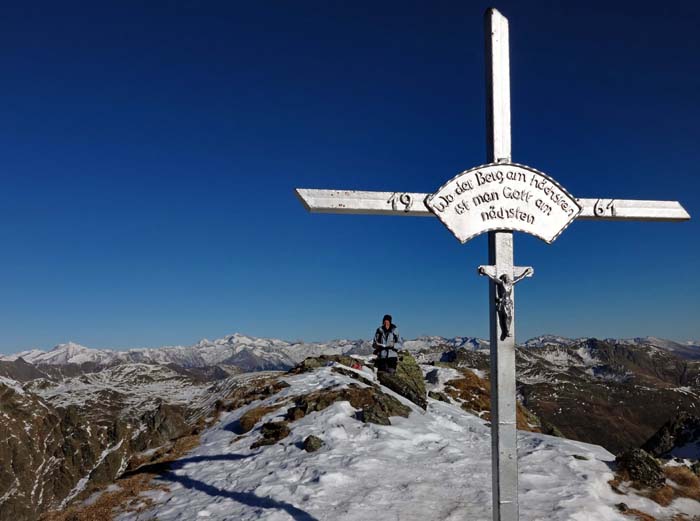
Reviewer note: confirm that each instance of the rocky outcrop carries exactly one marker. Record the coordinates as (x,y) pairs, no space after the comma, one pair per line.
(374,406)
(315,362)
(407,380)
(641,467)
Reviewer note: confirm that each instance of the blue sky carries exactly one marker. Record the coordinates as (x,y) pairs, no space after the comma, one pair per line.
(148,156)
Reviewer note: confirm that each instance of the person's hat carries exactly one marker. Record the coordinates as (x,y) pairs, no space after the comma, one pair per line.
(387,317)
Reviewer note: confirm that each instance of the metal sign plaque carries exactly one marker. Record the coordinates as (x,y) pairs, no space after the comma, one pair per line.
(503,196)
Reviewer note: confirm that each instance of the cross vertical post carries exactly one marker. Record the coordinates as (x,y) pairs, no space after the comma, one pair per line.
(504,457)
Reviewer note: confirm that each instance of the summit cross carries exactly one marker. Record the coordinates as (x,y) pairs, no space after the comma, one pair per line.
(497,198)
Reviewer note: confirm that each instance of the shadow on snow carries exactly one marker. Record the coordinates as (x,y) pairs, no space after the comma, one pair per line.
(164,471)
(246,498)
(165,466)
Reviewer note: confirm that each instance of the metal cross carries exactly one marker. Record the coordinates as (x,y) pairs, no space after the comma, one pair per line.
(502,274)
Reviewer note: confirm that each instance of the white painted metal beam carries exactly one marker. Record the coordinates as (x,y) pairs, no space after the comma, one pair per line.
(504,452)
(412,203)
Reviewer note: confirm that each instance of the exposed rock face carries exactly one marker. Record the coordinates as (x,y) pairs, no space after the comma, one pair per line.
(30,436)
(641,467)
(679,436)
(20,370)
(58,439)
(407,380)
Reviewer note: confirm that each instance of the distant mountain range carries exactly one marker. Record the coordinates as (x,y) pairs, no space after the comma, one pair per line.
(256,354)
(244,352)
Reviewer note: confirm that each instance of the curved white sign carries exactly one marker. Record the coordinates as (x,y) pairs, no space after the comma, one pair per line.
(503,196)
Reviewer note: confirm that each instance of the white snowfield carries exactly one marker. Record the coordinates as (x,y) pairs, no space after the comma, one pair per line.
(433,465)
(139,385)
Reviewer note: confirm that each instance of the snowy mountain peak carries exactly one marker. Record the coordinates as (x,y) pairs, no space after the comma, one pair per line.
(69,347)
(71,353)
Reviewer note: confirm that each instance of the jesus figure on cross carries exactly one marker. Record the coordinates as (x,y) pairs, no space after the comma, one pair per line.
(504,300)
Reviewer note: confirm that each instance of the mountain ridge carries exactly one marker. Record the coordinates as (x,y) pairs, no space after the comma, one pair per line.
(261,353)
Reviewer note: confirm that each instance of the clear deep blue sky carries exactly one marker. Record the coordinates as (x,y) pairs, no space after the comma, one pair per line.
(148,156)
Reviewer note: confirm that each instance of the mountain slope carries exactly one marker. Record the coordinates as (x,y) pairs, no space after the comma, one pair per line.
(57,438)
(432,465)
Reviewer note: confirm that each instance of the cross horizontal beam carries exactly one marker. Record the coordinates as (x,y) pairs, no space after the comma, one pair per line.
(408,203)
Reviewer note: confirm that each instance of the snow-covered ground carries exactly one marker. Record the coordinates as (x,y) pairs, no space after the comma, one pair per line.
(432,465)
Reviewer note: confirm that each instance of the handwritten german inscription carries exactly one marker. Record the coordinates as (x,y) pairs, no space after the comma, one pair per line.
(503,196)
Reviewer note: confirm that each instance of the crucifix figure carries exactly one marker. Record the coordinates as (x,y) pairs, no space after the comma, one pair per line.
(497,198)
(505,307)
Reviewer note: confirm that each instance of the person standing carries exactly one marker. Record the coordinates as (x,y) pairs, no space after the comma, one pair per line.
(385,343)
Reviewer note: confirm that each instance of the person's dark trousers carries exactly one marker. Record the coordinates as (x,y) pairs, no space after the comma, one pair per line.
(386,364)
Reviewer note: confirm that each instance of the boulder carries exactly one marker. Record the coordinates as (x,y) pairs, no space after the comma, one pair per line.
(433,376)
(272,432)
(551,429)
(312,443)
(641,467)
(436,395)
(407,380)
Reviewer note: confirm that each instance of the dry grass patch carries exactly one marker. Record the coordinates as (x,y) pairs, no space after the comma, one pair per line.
(474,395)
(638,515)
(688,484)
(683,483)
(615,485)
(664,495)
(250,418)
